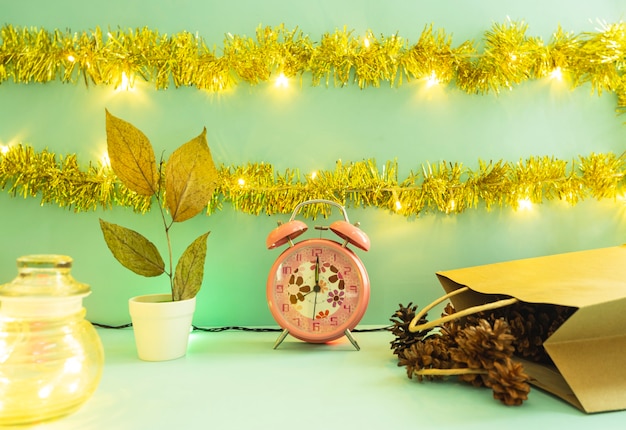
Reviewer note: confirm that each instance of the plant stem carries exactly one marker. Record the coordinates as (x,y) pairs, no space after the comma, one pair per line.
(169,251)
(167,227)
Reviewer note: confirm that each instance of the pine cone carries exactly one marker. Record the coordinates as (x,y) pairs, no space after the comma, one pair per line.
(401,320)
(450,330)
(482,342)
(508,382)
(426,354)
(481,345)
(474,379)
(532,324)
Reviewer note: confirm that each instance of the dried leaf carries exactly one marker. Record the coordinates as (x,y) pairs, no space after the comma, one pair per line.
(132,250)
(190,179)
(190,270)
(131,155)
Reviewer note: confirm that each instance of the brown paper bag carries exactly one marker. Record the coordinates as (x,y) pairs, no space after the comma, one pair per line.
(589,349)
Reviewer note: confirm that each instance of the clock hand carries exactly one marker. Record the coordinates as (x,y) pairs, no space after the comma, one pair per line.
(316,287)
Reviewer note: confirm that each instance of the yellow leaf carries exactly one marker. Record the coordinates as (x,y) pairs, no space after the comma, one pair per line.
(132,250)
(132,157)
(190,179)
(190,270)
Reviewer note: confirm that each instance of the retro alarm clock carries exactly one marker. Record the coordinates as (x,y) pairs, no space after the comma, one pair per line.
(318,289)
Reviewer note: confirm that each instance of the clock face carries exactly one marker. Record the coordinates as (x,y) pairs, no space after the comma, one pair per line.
(317,289)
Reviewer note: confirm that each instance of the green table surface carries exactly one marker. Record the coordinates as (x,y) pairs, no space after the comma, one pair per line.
(236,380)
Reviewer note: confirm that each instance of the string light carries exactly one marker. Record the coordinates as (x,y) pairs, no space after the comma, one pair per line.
(257,187)
(105,161)
(557,74)
(126,83)
(281,81)
(525,204)
(451,206)
(509,57)
(432,80)
(340,58)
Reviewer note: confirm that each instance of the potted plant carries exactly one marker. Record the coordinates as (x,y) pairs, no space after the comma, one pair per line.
(181,191)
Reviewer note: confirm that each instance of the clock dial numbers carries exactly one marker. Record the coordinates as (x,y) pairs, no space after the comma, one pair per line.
(317,288)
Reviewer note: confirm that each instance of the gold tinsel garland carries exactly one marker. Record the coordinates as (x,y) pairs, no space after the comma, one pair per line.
(509,56)
(257,188)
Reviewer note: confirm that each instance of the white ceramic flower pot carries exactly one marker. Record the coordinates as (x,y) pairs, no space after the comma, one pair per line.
(161,326)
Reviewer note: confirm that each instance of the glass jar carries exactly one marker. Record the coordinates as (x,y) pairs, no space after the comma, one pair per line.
(51,358)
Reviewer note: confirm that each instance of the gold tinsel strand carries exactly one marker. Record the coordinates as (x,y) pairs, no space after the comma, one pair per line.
(257,188)
(509,57)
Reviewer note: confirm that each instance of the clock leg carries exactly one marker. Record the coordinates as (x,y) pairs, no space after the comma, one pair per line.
(352,339)
(280,339)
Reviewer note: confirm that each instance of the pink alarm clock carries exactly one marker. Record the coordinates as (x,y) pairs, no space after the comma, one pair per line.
(318,289)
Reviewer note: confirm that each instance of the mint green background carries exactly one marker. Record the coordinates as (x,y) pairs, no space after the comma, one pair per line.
(311,128)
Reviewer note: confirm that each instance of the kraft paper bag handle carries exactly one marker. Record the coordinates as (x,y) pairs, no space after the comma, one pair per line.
(414,327)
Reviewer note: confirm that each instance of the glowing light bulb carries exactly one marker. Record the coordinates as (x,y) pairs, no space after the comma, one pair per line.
(219,83)
(241,182)
(71,58)
(105,160)
(282,81)
(313,175)
(525,204)
(398,205)
(126,84)
(432,80)
(557,74)
(4,149)
(451,206)
(366,42)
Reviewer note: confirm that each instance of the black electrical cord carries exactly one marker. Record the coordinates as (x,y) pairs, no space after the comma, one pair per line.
(95,324)
(218,329)
(235,328)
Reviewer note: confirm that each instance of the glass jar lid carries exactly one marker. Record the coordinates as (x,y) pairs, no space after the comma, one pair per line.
(44,275)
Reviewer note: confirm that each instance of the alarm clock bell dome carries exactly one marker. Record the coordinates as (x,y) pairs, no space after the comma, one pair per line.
(285,232)
(351,233)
